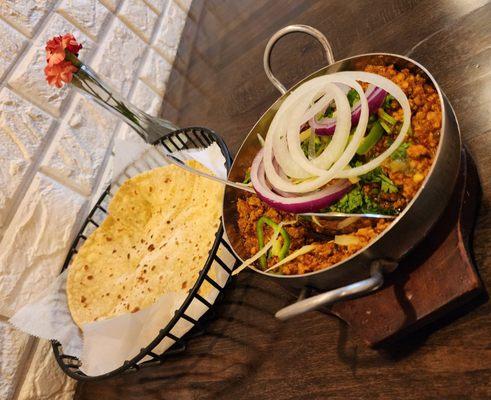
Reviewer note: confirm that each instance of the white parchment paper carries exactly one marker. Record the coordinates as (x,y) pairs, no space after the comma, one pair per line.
(103,346)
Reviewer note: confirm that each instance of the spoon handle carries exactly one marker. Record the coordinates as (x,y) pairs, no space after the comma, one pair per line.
(242,186)
(149,128)
(345,215)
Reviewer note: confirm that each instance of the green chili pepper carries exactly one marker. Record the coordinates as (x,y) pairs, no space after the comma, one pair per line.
(275,248)
(247,178)
(371,139)
(279,252)
(353,96)
(410,131)
(386,117)
(387,128)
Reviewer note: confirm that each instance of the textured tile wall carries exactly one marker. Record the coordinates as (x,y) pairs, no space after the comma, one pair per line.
(55,146)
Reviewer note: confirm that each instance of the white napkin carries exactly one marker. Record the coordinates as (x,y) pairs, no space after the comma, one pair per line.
(106,344)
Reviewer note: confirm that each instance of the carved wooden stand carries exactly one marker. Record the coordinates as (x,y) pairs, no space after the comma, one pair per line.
(437,276)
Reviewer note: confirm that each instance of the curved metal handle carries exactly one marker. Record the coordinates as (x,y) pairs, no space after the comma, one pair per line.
(312,303)
(285,31)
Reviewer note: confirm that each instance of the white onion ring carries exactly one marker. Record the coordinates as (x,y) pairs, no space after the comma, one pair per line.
(399,95)
(318,165)
(326,126)
(307,89)
(278,125)
(283,140)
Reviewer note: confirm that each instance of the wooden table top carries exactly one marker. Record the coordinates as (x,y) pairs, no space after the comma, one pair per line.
(218,82)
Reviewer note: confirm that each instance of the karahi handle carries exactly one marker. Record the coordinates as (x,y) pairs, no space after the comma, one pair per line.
(359,288)
(285,31)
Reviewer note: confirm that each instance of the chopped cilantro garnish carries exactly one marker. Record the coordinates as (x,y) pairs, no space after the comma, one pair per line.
(329,112)
(350,202)
(320,143)
(353,97)
(378,176)
(387,101)
(401,152)
(356,201)
(387,185)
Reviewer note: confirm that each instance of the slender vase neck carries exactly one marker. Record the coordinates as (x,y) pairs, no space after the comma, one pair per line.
(149,128)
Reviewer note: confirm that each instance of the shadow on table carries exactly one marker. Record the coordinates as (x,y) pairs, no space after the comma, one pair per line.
(229,351)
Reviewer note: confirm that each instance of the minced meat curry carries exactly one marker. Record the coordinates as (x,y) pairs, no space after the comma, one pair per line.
(385,190)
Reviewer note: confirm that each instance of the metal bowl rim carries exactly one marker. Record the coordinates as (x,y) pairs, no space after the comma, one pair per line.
(413,200)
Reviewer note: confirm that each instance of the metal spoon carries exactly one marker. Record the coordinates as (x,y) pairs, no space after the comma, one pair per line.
(345,215)
(151,129)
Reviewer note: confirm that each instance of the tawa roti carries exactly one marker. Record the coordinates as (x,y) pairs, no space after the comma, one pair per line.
(155,240)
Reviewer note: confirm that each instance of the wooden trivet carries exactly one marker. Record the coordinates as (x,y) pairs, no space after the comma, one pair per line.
(436,277)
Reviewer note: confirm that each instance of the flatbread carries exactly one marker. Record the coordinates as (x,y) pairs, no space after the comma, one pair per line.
(155,240)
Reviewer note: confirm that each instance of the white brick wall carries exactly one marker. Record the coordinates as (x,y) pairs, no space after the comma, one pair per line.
(55,146)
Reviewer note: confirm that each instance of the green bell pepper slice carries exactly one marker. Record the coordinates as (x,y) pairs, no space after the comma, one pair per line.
(280,252)
(371,139)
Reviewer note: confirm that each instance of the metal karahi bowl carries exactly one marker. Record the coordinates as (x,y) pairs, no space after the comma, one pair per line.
(363,271)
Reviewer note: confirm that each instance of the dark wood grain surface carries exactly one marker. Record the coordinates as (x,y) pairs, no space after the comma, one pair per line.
(218,82)
(436,278)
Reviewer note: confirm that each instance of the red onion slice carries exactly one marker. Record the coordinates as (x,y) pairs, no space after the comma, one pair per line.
(326,126)
(309,202)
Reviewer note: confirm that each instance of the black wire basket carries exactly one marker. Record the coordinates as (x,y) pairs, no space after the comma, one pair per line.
(188,138)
